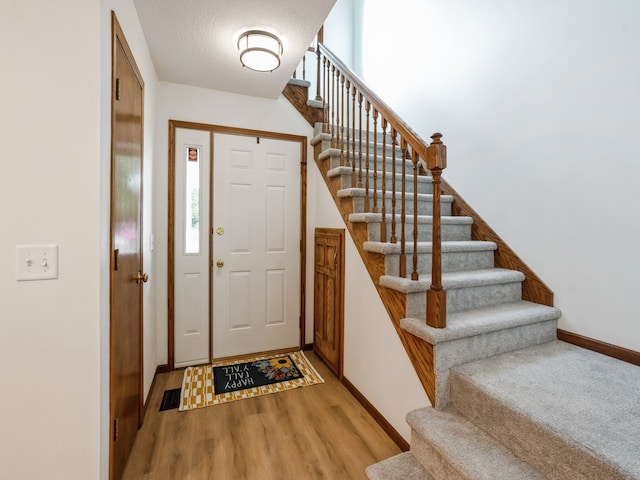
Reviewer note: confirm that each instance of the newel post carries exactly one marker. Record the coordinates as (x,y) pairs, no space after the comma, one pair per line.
(436,297)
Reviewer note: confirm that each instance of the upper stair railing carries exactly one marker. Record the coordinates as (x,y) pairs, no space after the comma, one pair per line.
(362,127)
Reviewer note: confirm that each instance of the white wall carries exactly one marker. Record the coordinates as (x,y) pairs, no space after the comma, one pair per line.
(50,193)
(128,19)
(539,103)
(338,30)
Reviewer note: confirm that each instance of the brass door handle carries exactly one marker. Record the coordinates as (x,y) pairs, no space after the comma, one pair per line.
(141,276)
(220,263)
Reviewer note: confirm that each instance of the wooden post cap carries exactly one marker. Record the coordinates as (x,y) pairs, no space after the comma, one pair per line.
(436,153)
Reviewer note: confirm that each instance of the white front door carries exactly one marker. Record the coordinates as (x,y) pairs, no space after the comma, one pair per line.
(256,245)
(191,254)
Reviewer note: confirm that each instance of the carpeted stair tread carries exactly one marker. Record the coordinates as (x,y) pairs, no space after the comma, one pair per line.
(299,82)
(403,466)
(328,153)
(335,152)
(388,248)
(577,412)
(347,170)
(481,320)
(320,136)
(464,449)
(425,182)
(454,280)
(361,192)
(377,218)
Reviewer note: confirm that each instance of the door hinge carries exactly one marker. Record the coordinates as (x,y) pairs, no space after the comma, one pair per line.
(116,252)
(257,139)
(116,433)
(118,90)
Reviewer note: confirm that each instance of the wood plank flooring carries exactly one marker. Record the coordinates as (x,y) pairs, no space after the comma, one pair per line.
(316,432)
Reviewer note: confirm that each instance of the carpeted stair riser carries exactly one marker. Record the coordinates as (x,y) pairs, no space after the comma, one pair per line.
(452,229)
(451,261)
(432,460)
(360,150)
(451,448)
(465,290)
(478,347)
(345,158)
(466,298)
(425,202)
(345,174)
(571,413)
(345,131)
(403,466)
(349,158)
(481,333)
(350,132)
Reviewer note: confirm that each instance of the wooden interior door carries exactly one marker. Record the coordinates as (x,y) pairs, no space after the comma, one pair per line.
(328,297)
(126,279)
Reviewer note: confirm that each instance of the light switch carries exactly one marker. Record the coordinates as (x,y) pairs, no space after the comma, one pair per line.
(36,262)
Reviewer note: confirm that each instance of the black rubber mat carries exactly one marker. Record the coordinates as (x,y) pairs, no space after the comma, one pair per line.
(170,399)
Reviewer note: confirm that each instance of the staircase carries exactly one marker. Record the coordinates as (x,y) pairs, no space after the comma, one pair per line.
(486,315)
(552,411)
(509,400)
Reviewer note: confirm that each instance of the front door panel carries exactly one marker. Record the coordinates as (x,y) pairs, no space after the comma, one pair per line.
(256,245)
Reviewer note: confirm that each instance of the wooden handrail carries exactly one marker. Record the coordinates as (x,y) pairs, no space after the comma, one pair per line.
(401,127)
(340,123)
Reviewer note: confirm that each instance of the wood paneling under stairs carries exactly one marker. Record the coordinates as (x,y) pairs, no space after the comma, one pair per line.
(317,432)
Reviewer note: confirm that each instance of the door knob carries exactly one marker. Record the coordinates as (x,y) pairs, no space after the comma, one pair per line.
(220,263)
(141,276)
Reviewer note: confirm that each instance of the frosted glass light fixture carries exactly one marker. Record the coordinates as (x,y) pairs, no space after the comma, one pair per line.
(260,50)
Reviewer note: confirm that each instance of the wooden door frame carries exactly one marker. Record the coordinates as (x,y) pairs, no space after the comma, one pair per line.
(213,129)
(118,39)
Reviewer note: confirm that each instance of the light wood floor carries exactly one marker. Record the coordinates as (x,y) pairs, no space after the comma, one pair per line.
(316,432)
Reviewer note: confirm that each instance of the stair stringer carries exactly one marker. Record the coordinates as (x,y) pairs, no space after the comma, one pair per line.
(297,92)
(420,352)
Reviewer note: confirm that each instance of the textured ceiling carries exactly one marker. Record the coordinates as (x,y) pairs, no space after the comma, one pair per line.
(193,42)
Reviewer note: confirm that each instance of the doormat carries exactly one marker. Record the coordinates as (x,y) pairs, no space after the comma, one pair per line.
(170,399)
(234,380)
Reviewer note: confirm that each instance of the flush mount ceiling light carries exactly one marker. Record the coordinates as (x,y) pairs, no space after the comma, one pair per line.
(260,50)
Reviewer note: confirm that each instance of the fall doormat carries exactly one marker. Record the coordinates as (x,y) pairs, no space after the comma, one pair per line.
(227,381)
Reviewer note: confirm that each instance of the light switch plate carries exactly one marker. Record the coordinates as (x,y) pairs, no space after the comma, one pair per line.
(36,262)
